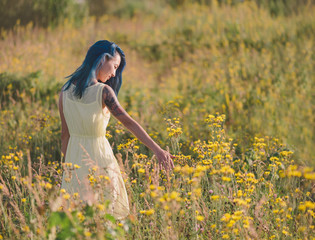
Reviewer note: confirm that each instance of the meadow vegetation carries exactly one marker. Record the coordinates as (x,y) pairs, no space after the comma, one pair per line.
(227,87)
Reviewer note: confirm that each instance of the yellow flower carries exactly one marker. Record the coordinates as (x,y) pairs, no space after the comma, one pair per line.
(200,218)
(87,233)
(231,223)
(226,217)
(66,196)
(215,197)
(240,202)
(310,176)
(153,194)
(302,207)
(149,212)
(285,232)
(23,200)
(310,204)
(101,207)
(238,213)
(177,169)
(25,229)
(301,229)
(174,195)
(141,170)
(197,192)
(48,186)
(226,179)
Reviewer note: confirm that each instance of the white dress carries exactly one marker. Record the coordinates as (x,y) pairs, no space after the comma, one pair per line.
(88,147)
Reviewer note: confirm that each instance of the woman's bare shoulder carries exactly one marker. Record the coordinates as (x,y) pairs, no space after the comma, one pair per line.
(108,94)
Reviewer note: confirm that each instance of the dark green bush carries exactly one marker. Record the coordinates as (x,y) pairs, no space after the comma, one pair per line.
(41,12)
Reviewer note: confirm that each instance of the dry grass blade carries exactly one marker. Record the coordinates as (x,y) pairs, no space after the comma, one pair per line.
(259,214)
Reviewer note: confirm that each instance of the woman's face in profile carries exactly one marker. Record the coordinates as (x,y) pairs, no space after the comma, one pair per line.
(108,69)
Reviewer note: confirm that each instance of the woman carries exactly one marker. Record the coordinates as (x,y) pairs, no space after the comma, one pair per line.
(85,104)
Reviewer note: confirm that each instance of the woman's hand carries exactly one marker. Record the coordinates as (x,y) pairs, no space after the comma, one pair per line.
(165,159)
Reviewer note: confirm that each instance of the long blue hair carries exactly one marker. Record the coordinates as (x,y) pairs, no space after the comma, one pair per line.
(89,69)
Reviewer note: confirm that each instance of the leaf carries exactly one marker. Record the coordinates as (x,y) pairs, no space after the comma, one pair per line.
(54,219)
(89,212)
(110,218)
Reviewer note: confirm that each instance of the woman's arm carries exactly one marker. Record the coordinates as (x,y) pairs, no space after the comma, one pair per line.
(111,102)
(64,128)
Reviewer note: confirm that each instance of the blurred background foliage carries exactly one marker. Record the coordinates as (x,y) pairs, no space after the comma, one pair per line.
(245,59)
(53,12)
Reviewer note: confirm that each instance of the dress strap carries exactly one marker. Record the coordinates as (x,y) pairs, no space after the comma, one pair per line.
(99,95)
(64,96)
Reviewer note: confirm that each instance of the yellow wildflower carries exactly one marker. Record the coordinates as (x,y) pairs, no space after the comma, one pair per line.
(200,218)
(66,196)
(149,212)
(141,170)
(153,194)
(310,176)
(226,217)
(215,197)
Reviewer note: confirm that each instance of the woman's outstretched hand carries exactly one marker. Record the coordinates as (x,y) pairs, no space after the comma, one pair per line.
(165,159)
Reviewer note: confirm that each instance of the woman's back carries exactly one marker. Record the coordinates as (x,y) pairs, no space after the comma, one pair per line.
(85,116)
(88,147)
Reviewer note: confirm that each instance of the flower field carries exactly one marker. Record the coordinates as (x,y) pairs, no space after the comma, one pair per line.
(228,89)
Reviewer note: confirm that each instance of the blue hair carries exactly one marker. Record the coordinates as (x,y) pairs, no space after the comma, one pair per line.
(89,69)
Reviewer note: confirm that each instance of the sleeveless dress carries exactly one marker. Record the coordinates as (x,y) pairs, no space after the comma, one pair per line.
(88,147)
